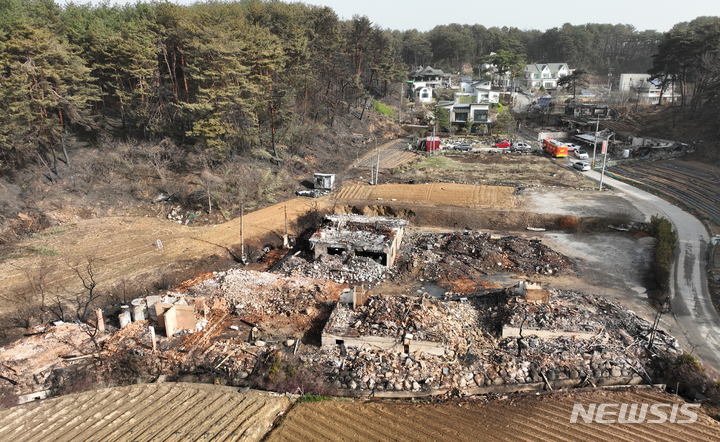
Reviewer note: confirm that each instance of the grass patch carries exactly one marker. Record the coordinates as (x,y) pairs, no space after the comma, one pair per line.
(382,109)
(313,398)
(54,231)
(436,162)
(44,251)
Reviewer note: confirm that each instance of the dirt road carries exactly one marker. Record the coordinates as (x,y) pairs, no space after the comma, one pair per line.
(691,303)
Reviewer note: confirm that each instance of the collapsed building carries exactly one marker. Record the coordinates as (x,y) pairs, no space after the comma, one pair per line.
(401,324)
(376,237)
(422,344)
(233,322)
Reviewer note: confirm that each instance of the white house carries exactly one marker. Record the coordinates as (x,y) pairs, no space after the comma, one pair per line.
(478,113)
(545,75)
(480,91)
(422,94)
(638,86)
(431,77)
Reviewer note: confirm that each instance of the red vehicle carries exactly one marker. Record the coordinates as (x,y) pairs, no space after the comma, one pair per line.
(504,144)
(555,148)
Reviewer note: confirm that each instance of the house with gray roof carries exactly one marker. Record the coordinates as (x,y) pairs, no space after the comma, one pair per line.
(477,113)
(545,75)
(433,78)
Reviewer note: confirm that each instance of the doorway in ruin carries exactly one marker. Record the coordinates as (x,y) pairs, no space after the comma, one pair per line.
(336,250)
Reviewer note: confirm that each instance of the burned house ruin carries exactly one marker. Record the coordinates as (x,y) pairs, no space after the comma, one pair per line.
(376,237)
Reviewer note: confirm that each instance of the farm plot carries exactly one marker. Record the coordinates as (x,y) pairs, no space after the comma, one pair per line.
(529,418)
(392,155)
(146,412)
(694,184)
(458,195)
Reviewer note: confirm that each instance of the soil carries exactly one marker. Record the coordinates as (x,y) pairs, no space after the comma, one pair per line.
(167,411)
(534,418)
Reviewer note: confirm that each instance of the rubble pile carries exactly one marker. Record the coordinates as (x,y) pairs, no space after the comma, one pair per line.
(262,293)
(561,313)
(385,370)
(468,252)
(31,364)
(343,268)
(473,358)
(425,318)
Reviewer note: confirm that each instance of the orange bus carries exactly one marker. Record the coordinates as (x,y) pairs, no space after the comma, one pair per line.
(555,148)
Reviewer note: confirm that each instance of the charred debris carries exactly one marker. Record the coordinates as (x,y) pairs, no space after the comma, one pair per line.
(324,321)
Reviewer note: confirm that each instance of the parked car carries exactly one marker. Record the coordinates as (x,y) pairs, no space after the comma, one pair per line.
(465,147)
(520,146)
(573,147)
(503,144)
(581,165)
(582,154)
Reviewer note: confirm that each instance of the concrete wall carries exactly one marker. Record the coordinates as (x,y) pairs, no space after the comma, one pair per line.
(539,136)
(547,334)
(383,343)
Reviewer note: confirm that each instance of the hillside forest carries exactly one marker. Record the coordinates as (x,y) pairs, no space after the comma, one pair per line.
(219,104)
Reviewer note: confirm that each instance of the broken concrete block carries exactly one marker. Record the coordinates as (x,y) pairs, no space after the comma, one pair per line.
(179,317)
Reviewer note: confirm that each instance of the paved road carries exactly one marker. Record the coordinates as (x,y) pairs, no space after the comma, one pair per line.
(691,303)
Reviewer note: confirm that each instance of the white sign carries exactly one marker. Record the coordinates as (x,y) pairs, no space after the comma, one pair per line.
(635,413)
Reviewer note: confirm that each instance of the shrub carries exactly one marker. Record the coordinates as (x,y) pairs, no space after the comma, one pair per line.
(689,359)
(664,250)
(689,376)
(382,109)
(285,373)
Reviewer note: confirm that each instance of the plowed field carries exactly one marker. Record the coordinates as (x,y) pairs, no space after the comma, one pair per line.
(692,183)
(531,418)
(157,412)
(440,194)
(128,249)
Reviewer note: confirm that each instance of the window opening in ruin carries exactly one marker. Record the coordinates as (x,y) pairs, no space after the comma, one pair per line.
(335,250)
(380,258)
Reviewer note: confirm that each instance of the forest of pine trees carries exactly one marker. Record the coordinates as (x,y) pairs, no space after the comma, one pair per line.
(231,77)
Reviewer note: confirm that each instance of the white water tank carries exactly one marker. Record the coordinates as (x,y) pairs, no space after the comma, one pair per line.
(626,153)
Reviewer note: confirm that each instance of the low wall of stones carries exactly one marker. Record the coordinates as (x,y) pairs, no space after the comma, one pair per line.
(628,381)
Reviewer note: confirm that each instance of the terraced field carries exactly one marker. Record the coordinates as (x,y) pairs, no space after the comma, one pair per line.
(457,195)
(697,185)
(531,418)
(392,155)
(157,412)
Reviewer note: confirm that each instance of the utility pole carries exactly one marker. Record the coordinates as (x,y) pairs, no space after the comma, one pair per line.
(602,171)
(377,168)
(402,87)
(242,233)
(597,127)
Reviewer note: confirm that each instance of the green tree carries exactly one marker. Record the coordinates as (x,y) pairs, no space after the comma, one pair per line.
(441,117)
(574,79)
(505,121)
(508,63)
(45,92)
